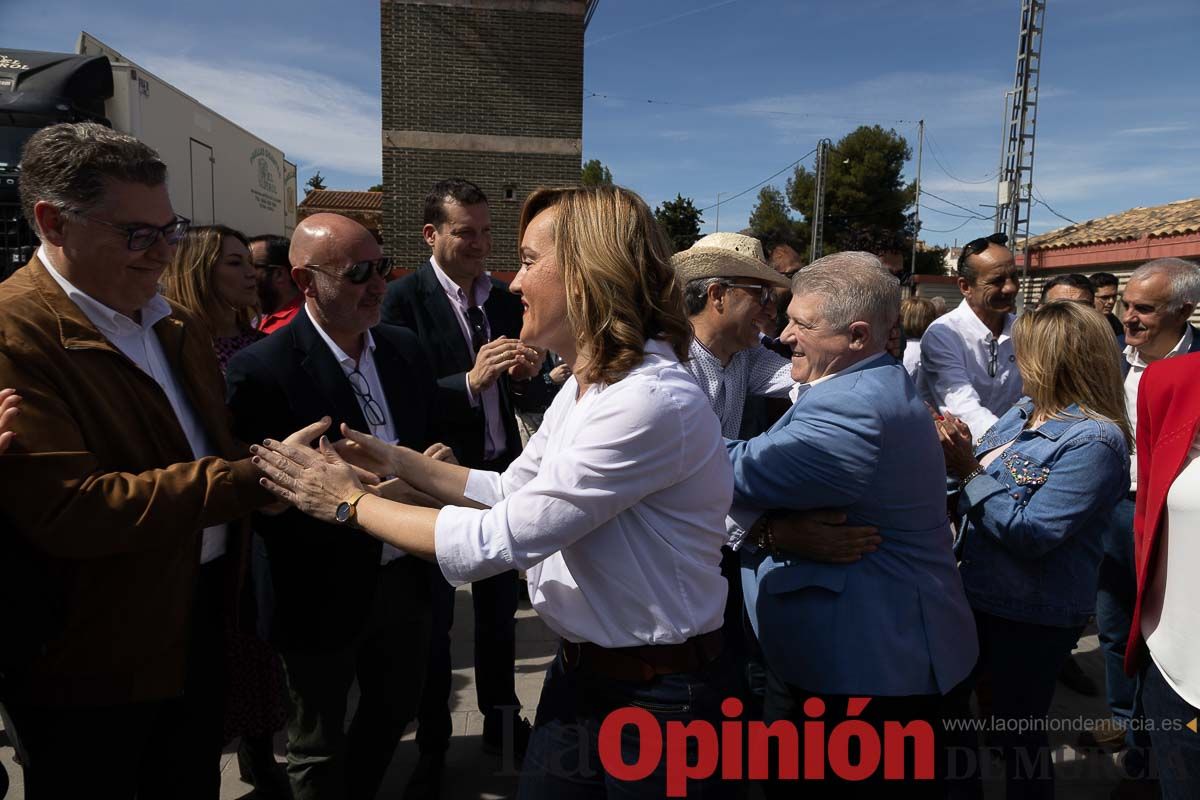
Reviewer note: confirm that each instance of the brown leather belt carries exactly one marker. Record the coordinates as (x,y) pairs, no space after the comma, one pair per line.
(643,663)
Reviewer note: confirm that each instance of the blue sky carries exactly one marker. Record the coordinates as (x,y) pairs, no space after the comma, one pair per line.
(741,88)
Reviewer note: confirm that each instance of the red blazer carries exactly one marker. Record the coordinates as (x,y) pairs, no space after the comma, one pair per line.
(1168,416)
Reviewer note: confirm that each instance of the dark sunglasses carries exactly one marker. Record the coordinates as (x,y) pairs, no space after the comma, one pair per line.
(765,293)
(143,237)
(359,272)
(977,246)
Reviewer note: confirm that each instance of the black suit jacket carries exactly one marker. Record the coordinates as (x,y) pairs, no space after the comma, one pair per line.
(418,302)
(323,575)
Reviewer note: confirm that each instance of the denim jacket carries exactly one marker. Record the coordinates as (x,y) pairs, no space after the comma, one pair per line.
(1030,536)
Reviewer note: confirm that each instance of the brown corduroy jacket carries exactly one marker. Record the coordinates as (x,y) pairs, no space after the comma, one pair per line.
(102,502)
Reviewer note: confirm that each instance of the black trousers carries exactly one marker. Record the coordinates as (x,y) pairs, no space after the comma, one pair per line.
(787,702)
(327,761)
(495,600)
(168,749)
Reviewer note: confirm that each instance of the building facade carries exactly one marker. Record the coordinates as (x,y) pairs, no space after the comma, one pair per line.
(487,90)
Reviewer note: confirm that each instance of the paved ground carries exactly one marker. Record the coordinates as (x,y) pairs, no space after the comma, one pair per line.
(471,775)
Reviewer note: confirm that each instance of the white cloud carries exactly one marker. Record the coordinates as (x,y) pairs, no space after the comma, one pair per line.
(1152,130)
(947,100)
(318,121)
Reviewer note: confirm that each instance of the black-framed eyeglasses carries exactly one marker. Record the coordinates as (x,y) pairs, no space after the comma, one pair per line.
(143,237)
(360,271)
(977,246)
(766,295)
(479,329)
(993,357)
(370,408)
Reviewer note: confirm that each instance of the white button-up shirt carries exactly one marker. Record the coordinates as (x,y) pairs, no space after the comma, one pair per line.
(365,365)
(1133,380)
(140,344)
(1172,594)
(956,353)
(615,509)
(494,440)
(755,370)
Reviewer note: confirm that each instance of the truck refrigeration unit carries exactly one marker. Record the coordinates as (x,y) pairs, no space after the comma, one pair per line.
(217,172)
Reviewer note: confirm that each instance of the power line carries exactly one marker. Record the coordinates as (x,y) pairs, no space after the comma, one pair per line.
(947,230)
(951,214)
(655,23)
(972,212)
(1042,200)
(760,183)
(770,111)
(991,176)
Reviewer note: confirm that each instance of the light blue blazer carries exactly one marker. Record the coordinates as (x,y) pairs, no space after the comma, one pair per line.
(895,622)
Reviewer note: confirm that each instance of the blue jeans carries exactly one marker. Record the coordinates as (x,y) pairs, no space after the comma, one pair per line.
(1176,749)
(1115,597)
(563,757)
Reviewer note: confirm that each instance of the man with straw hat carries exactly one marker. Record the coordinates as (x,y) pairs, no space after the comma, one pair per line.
(728,289)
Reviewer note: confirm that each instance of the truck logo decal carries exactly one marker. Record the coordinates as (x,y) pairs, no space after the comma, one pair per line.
(269,172)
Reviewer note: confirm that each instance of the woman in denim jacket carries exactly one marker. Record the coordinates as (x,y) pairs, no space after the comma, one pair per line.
(1037,490)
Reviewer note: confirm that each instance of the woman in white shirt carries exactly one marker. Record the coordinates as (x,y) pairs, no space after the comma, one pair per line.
(616,509)
(916,315)
(1164,640)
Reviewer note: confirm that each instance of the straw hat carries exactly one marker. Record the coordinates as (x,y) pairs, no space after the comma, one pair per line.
(726,255)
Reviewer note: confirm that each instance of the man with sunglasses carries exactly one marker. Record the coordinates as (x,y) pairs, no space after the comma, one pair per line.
(344,606)
(116,489)
(967,362)
(278,296)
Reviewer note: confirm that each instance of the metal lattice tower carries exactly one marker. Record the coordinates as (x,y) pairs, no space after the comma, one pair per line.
(818,215)
(1014,192)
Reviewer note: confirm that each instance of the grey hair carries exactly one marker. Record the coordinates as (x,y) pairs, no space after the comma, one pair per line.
(69,164)
(856,287)
(695,294)
(1184,277)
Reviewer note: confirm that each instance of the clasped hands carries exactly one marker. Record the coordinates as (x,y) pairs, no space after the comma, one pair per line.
(957,444)
(317,480)
(519,360)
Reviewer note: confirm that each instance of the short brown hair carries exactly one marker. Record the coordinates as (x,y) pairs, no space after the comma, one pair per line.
(188,278)
(616,264)
(68,164)
(916,315)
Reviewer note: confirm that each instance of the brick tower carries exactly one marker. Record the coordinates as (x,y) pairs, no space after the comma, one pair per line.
(487,90)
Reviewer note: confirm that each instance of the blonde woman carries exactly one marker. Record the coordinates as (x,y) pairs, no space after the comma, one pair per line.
(1038,489)
(615,510)
(212,275)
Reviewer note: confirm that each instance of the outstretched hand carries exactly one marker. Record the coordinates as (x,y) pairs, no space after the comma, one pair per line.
(314,481)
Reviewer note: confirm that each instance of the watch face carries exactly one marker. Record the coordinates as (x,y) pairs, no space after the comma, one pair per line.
(343,512)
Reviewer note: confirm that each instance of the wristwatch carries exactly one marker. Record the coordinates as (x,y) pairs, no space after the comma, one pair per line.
(347,511)
(762,535)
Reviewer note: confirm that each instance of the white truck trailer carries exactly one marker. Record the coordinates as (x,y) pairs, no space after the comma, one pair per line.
(217,171)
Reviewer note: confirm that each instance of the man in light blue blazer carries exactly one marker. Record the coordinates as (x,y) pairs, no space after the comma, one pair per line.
(893,625)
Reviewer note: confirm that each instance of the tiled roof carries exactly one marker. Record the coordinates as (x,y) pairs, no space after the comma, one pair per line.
(343,201)
(1172,219)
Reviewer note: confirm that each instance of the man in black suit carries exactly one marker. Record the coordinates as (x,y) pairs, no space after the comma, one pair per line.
(469,324)
(346,605)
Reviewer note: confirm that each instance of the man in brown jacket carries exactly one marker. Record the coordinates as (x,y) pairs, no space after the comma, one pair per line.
(116,488)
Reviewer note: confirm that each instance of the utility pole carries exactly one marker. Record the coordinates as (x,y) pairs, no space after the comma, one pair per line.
(718,220)
(917,225)
(818,217)
(1014,190)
